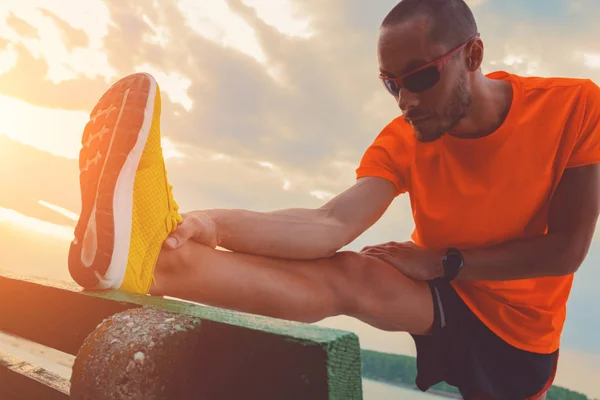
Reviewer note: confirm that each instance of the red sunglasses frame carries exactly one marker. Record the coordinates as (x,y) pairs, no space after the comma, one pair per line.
(439,63)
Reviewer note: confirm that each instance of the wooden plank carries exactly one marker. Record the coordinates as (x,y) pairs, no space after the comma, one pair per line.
(289,358)
(52,314)
(20,380)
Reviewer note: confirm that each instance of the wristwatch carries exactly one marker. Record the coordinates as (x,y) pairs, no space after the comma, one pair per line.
(453,262)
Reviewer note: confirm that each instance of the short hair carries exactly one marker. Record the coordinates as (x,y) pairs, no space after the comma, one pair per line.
(452,20)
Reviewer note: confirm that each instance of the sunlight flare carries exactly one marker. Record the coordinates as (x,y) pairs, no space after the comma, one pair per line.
(36,225)
(55,131)
(62,211)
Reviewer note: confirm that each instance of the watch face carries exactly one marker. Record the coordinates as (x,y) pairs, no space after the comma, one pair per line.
(453,260)
(453,263)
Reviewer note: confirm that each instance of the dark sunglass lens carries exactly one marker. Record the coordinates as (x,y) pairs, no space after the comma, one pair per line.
(422,80)
(392,87)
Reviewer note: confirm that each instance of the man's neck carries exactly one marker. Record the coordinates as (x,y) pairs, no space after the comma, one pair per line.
(490,102)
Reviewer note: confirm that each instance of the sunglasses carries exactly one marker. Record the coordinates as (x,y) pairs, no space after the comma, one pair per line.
(422,78)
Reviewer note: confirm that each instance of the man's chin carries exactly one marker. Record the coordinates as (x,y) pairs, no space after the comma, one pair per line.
(425,131)
(427,136)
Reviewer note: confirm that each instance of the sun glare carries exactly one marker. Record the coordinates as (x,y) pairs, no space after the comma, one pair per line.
(52,130)
(33,224)
(62,211)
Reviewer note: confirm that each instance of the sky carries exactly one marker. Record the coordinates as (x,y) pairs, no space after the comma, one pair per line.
(267,104)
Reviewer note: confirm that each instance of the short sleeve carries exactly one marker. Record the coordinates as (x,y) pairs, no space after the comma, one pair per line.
(384,158)
(586,149)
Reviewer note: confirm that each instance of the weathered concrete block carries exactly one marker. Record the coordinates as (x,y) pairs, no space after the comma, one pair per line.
(144,354)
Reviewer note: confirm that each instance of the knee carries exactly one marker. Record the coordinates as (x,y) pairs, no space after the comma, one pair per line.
(349,264)
(365,282)
(354,267)
(348,278)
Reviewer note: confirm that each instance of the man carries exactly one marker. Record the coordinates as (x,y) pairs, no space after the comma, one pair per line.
(503,177)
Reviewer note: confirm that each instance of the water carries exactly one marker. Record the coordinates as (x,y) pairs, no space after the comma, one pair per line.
(373,390)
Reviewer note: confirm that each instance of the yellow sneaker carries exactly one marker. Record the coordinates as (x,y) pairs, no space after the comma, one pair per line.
(127,206)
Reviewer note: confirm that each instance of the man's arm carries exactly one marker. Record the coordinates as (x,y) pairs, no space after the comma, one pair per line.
(305,233)
(572,221)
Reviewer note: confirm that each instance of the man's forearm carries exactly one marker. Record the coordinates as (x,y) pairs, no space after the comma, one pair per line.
(541,256)
(291,234)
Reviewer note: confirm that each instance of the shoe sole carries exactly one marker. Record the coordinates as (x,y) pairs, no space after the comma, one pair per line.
(112,145)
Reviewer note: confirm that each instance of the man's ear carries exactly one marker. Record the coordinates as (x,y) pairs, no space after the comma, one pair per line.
(475,55)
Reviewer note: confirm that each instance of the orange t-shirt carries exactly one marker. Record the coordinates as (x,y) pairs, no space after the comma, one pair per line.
(470,193)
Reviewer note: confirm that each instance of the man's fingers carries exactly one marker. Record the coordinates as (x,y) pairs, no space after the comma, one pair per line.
(197,227)
(372,248)
(383,255)
(386,246)
(377,253)
(183,232)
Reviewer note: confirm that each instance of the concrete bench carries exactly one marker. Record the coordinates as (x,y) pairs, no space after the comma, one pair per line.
(140,347)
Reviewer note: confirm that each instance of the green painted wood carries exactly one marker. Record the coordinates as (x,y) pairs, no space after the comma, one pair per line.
(20,380)
(250,352)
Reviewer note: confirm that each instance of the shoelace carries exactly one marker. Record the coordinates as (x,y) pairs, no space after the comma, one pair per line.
(173,217)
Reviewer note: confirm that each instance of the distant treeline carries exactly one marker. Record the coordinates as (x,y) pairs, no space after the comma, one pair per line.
(402,371)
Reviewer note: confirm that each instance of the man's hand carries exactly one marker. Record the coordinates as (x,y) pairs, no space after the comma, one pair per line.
(197,226)
(413,261)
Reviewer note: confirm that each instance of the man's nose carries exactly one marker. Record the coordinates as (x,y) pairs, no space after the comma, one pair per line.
(407,100)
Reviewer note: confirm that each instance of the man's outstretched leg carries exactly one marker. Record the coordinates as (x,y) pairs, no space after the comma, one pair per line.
(128,211)
(308,291)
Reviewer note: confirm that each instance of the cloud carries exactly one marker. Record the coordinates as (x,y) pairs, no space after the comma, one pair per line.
(296,123)
(27,81)
(71,37)
(68,39)
(524,38)
(21,27)
(285,16)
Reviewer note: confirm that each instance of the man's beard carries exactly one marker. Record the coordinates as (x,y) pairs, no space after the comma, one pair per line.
(455,110)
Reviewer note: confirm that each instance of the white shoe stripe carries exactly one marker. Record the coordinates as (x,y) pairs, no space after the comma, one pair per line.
(90,238)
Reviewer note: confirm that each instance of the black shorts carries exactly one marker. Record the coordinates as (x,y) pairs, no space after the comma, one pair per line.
(464,353)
